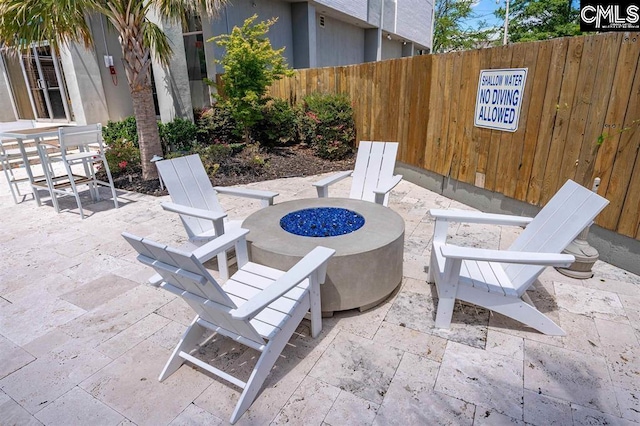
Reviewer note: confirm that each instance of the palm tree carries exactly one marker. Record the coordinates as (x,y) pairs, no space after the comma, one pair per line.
(24,22)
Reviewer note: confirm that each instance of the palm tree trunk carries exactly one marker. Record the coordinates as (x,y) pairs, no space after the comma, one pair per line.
(147,125)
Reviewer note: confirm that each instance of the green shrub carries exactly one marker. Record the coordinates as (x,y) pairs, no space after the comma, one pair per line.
(327,125)
(217,126)
(123,156)
(118,130)
(250,66)
(177,135)
(277,126)
(121,140)
(213,156)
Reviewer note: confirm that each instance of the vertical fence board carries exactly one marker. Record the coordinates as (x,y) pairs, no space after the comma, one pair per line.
(552,180)
(580,110)
(524,57)
(629,222)
(620,96)
(627,147)
(433,141)
(402,121)
(535,94)
(446,72)
(469,82)
(482,135)
(549,111)
(416,114)
(606,67)
(451,82)
(501,58)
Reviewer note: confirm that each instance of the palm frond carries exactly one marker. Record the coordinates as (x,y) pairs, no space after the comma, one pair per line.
(23,22)
(157,41)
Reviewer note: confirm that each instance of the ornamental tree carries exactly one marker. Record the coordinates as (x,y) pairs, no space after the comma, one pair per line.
(250,65)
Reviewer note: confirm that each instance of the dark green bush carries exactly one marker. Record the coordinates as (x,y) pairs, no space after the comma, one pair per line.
(178,135)
(327,125)
(121,140)
(277,126)
(216,125)
(213,156)
(118,130)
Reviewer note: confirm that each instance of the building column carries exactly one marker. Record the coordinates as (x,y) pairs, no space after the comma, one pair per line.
(303,20)
(84,85)
(407,49)
(8,110)
(172,81)
(372,44)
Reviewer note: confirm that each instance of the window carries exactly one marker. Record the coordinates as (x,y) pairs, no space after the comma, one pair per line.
(196,61)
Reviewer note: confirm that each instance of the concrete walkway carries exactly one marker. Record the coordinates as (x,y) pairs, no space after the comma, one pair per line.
(83,339)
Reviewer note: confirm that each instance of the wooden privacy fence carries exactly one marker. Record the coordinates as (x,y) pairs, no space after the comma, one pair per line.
(580,117)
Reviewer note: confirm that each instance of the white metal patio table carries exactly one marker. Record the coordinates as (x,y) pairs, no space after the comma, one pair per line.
(38,135)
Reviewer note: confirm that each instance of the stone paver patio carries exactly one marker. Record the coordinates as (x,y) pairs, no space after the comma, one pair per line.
(83,339)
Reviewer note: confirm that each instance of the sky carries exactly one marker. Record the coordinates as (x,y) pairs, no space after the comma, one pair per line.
(484,10)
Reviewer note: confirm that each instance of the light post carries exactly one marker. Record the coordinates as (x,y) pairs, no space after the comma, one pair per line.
(506,24)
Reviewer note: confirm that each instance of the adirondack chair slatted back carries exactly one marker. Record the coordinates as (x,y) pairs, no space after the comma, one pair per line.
(183,274)
(570,210)
(375,163)
(189,185)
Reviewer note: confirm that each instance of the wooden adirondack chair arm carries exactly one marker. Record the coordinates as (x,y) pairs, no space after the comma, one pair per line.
(267,196)
(383,189)
(505,256)
(223,242)
(467,216)
(314,260)
(191,211)
(333,179)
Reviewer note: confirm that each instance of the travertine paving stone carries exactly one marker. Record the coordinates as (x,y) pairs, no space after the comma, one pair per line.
(11,413)
(570,376)
(83,338)
(12,357)
(135,373)
(41,382)
(309,404)
(194,416)
(483,378)
(411,398)
(542,410)
(358,365)
(417,311)
(352,410)
(77,407)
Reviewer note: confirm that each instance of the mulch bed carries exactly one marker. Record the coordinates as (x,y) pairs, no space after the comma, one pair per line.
(284,162)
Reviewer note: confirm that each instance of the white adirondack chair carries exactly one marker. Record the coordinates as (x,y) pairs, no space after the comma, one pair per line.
(373,177)
(259,307)
(498,279)
(197,202)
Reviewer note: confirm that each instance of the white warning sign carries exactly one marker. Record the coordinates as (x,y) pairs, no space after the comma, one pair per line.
(500,98)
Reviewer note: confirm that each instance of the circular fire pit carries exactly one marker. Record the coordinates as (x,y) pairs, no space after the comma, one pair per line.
(368,239)
(322,222)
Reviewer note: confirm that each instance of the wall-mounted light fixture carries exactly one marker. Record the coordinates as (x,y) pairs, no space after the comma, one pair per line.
(388,36)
